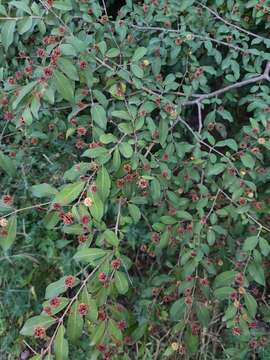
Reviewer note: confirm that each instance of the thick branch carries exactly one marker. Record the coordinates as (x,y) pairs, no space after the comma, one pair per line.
(239,84)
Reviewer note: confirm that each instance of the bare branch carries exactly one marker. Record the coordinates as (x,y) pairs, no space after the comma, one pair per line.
(201,37)
(217,16)
(199,105)
(239,84)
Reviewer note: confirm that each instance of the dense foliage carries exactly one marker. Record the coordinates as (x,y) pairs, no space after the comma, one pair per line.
(134,159)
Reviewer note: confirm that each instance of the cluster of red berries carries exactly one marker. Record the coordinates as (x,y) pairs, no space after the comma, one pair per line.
(7,200)
(67,218)
(70,281)
(83,309)
(39,332)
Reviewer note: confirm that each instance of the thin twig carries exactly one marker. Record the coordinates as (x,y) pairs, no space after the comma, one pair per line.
(201,37)
(217,16)
(118,217)
(26,208)
(199,106)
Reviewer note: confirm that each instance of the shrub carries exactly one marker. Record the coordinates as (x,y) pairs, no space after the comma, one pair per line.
(141,143)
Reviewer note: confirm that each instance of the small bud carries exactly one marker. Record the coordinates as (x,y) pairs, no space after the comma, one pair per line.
(88,202)
(3,222)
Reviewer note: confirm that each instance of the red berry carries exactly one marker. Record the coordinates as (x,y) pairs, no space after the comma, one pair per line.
(83,64)
(70,281)
(102,277)
(236,330)
(155,237)
(85,219)
(82,238)
(7,199)
(142,183)
(165,157)
(55,301)
(121,325)
(81,131)
(102,348)
(47,310)
(8,115)
(39,332)
(83,309)
(56,206)
(102,315)
(41,52)
(115,264)
(48,71)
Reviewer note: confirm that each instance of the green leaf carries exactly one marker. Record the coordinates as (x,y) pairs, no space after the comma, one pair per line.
(92,305)
(134,212)
(256,271)
(25,90)
(248,161)
(60,345)
(168,220)
(191,342)
(203,314)
(139,53)
(69,193)
(126,128)
(7,33)
(74,324)
(251,304)
(91,255)
(96,152)
(111,238)
(24,25)
(121,282)
(57,287)
(98,333)
(121,114)
(7,164)
(63,85)
(223,293)
(250,243)
(103,183)
(112,53)
(225,278)
(137,71)
(113,331)
(163,131)
(177,310)
(41,320)
(99,116)
(97,209)
(7,240)
(155,189)
(126,150)
(68,68)
(229,142)
(51,219)
(55,310)
(264,246)
(186,4)
(43,190)
(216,169)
